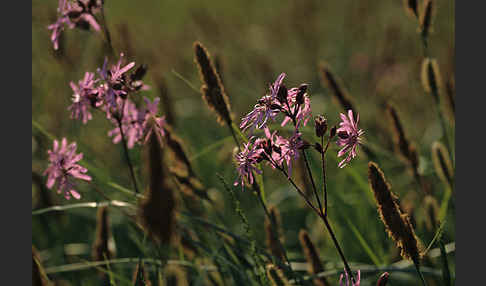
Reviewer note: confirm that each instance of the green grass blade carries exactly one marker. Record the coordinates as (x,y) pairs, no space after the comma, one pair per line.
(364,244)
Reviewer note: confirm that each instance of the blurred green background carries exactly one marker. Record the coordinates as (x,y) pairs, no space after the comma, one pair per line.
(374,47)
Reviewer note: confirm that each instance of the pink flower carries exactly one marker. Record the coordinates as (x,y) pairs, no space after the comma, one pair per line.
(289,149)
(298,98)
(114,81)
(247,161)
(74,14)
(267,107)
(348,281)
(63,168)
(131,124)
(151,122)
(349,136)
(84,97)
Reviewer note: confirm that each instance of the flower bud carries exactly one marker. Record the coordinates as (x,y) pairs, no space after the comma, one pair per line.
(332,132)
(320,125)
(282,94)
(300,94)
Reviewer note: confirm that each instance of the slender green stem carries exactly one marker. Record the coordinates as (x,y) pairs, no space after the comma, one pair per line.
(127,157)
(312,180)
(106,31)
(275,231)
(417,267)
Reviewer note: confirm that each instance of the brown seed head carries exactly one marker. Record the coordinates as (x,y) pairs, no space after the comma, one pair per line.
(426,18)
(442,163)
(158,210)
(411,8)
(273,234)
(332,82)
(100,250)
(212,89)
(396,223)
(276,276)
(312,257)
(431,78)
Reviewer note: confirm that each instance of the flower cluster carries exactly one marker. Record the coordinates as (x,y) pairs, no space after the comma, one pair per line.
(63,168)
(109,92)
(275,149)
(74,14)
(293,103)
(278,151)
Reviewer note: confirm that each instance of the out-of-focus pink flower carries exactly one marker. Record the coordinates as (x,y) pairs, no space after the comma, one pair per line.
(349,136)
(247,161)
(63,168)
(74,14)
(348,281)
(152,124)
(267,107)
(115,82)
(131,124)
(84,97)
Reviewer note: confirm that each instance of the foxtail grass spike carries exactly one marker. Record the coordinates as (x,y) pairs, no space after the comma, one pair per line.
(158,209)
(451,92)
(442,163)
(100,250)
(312,257)
(273,233)
(426,18)
(167,100)
(432,212)
(140,276)
(276,276)
(396,223)
(39,277)
(431,78)
(332,82)
(401,142)
(411,7)
(212,89)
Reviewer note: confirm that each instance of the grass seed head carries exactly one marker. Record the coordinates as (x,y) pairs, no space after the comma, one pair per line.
(442,163)
(158,210)
(273,234)
(332,82)
(212,89)
(101,249)
(312,257)
(411,8)
(426,18)
(397,224)
(431,78)
(276,276)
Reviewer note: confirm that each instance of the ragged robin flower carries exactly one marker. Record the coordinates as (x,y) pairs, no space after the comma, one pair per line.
(349,137)
(84,97)
(267,107)
(63,168)
(247,161)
